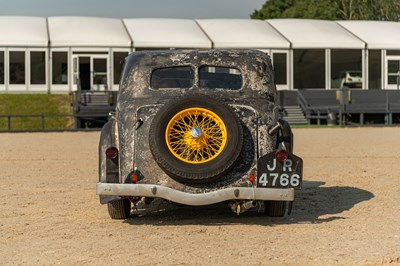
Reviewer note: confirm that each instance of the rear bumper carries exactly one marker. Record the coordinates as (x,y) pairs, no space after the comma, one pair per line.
(156,191)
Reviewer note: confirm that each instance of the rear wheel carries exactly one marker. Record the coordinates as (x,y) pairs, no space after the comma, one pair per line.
(275,208)
(119,209)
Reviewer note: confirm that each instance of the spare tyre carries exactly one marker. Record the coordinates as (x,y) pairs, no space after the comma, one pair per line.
(195,139)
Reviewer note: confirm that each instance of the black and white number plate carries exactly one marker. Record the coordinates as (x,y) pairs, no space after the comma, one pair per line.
(274,174)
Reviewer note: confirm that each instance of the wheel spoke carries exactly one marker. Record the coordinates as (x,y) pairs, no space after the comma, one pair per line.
(200,148)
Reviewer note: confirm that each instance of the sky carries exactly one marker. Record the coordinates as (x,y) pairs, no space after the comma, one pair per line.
(190,9)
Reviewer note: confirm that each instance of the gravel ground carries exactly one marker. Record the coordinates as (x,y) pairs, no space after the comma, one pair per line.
(348,212)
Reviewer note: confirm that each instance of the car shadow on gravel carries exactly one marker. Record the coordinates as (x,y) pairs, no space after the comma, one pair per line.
(313,204)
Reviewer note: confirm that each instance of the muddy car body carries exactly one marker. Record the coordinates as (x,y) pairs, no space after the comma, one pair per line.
(198,127)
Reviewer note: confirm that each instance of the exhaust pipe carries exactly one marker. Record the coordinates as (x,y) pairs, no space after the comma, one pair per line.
(242,206)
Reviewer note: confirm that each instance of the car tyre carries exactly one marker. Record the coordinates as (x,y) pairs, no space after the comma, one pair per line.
(275,208)
(201,156)
(119,209)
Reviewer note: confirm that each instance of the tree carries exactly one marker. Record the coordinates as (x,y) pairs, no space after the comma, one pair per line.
(369,9)
(312,9)
(330,9)
(273,9)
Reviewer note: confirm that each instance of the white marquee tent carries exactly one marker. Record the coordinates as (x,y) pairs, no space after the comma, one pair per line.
(56,54)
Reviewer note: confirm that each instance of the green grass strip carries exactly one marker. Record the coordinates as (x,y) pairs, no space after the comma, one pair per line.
(35,104)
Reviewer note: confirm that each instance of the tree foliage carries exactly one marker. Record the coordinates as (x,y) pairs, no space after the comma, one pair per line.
(330,9)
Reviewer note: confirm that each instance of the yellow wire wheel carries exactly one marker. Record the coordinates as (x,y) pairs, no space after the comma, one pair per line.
(196,135)
(196,139)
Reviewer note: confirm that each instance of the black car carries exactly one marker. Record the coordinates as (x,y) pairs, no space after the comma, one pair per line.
(198,127)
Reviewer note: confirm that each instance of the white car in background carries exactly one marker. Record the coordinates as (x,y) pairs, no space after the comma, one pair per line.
(350,79)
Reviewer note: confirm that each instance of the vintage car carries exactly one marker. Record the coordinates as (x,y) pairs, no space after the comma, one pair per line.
(198,127)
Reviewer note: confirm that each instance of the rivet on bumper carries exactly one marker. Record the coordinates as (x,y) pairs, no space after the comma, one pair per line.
(284,195)
(236,192)
(154,190)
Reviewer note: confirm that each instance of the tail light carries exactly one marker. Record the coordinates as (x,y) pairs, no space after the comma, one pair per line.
(281,155)
(349,79)
(112,153)
(134,177)
(252,177)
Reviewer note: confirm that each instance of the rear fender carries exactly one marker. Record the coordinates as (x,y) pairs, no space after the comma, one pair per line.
(108,168)
(285,136)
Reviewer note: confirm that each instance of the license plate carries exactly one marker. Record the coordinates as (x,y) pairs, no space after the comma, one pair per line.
(274,174)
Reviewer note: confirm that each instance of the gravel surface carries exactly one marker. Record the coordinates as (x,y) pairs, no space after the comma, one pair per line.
(348,212)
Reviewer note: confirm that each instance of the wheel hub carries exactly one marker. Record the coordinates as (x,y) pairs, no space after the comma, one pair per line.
(195,141)
(196,132)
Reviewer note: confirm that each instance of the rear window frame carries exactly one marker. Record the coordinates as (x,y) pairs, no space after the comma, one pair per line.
(222,88)
(198,82)
(192,80)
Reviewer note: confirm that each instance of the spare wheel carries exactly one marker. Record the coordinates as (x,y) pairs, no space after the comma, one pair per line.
(196,139)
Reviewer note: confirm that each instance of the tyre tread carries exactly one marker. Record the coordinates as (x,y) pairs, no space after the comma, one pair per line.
(174,170)
(119,209)
(275,208)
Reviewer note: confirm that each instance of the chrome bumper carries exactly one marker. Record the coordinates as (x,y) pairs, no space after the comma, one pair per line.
(156,191)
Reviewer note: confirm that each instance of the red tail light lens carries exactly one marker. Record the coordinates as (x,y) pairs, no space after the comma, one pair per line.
(281,155)
(112,153)
(252,177)
(134,177)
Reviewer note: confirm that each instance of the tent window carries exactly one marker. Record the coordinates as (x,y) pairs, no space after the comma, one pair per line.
(1,67)
(38,68)
(60,67)
(280,65)
(17,67)
(309,68)
(346,64)
(374,69)
(119,58)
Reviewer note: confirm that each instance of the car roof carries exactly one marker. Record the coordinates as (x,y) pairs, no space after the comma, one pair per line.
(255,66)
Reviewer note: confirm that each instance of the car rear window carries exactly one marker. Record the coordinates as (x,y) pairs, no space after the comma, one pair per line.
(355,74)
(215,77)
(172,77)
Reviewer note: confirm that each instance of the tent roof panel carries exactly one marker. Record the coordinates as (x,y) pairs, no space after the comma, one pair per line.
(310,33)
(23,31)
(242,33)
(87,31)
(166,33)
(377,34)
